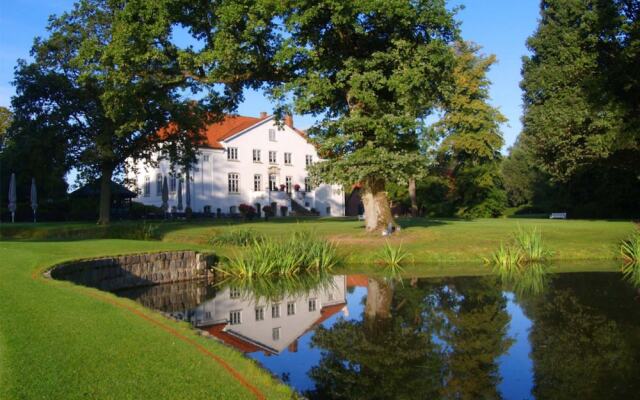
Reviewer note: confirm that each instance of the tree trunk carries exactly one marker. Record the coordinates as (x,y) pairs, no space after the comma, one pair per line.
(104,216)
(377,309)
(413,196)
(377,213)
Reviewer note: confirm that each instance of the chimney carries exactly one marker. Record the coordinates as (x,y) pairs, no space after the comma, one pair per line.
(288,120)
(263,114)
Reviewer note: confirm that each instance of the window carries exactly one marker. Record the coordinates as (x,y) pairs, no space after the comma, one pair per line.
(233,182)
(313,304)
(232,153)
(275,311)
(272,182)
(147,187)
(307,184)
(207,315)
(288,184)
(256,155)
(172,184)
(232,210)
(159,185)
(234,293)
(308,160)
(235,317)
(275,333)
(259,313)
(272,157)
(291,308)
(272,135)
(287,158)
(205,158)
(257,183)
(328,210)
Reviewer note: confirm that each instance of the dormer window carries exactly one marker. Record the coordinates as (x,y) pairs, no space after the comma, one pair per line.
(272,135)
(232,153)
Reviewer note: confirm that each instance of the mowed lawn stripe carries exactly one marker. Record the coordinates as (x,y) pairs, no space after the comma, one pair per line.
(57,342)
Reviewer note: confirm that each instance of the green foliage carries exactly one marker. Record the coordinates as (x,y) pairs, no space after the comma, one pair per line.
(526,247)
(393,257)
(301,252)
(580,119)
(237,237)
(630,251)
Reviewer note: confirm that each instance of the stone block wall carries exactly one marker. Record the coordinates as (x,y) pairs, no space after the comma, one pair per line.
(121,272)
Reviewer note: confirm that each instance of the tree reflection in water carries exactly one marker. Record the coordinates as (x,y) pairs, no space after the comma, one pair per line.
(425,339)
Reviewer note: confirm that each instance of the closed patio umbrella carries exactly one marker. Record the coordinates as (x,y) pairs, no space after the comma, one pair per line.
(179,194)
(165,196)
(34,198)
(12,197)
(188,191)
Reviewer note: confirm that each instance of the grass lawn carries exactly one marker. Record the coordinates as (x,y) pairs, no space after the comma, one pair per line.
(58,340)
(61,341)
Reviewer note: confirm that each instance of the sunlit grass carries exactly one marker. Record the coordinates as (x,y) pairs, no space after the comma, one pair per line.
(237,237)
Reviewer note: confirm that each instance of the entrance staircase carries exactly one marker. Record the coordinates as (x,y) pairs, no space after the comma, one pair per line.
(301,211)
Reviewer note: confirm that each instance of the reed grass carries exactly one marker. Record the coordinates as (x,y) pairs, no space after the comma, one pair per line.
(630,251)
(525,247)
(393,257)
(301,252)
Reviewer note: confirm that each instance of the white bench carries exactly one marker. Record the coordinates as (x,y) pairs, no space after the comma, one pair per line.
(361,217)
(562,215)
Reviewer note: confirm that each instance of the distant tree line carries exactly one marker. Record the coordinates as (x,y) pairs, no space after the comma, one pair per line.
(109,77)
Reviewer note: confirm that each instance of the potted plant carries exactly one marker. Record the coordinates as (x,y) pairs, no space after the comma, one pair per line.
(268,212)
(282,187)
(296,187)
(247,211)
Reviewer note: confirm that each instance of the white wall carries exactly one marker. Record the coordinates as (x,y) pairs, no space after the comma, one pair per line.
(210,178)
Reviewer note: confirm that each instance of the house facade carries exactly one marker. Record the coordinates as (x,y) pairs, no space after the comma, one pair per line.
(246,160)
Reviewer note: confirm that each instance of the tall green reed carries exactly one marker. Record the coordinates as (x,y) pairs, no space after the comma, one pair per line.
(630,251)
(301,252)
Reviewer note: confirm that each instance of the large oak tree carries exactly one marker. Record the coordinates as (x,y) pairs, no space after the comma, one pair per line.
(374,70)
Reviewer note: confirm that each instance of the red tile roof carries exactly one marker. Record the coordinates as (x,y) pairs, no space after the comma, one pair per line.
(231,340)
(229,126)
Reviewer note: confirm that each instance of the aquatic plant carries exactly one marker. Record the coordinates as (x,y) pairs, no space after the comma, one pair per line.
(531,245)
(630,251)
(393,257)
(301,252)
(237,237)
(525,247)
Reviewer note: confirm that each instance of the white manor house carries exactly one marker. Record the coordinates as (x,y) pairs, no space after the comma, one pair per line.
(246,160)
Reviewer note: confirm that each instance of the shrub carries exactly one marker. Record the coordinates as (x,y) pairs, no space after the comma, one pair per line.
(268,211)
(247,211)
(237,237)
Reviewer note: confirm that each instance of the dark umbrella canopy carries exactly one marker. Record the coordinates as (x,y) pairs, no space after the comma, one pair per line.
(12,197)
(34,198)
(179,194)
(165,195)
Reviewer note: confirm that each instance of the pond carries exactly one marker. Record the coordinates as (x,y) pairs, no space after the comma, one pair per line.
(371,337)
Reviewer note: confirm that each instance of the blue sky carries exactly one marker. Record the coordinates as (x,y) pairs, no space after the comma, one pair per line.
(499,26)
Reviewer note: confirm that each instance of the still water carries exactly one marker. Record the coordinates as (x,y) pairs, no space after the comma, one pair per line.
(569,336)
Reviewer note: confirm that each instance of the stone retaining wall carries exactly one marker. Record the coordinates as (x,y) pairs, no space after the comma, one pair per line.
(120,272)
